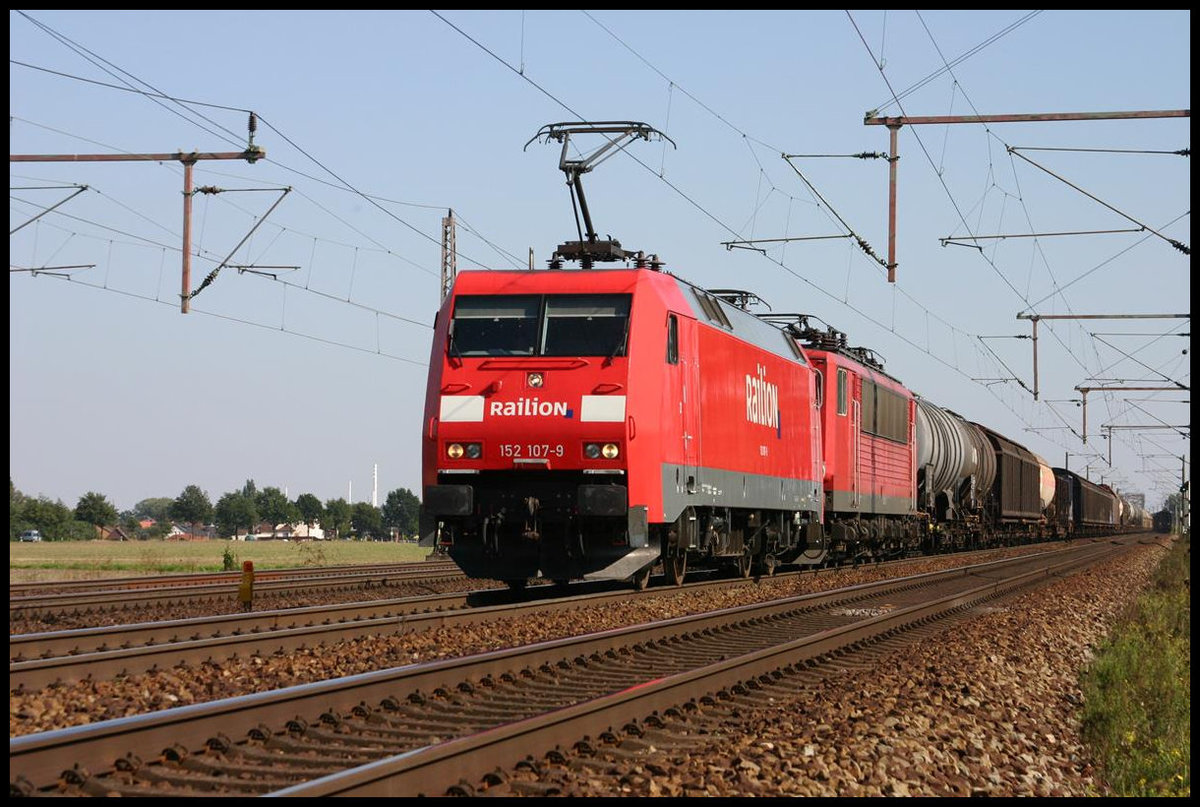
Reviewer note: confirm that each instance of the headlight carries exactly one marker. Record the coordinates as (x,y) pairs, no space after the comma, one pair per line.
(471,451)
(594,451)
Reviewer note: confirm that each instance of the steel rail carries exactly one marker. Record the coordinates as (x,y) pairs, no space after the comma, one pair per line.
(22,589)
(133,599)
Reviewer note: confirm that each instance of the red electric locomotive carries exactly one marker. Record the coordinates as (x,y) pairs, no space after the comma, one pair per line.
(588,424)
(868,422)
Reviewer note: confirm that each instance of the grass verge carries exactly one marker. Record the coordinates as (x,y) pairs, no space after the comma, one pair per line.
(1138,691)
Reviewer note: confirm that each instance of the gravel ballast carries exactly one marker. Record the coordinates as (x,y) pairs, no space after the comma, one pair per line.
(987,707)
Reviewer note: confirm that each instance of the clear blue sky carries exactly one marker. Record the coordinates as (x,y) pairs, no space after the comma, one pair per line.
(381,121)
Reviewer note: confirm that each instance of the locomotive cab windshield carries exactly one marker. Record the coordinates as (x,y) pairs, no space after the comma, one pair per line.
(540,325)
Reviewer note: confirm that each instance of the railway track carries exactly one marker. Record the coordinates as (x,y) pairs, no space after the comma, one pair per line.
(40,659)
(445,726)
(139,600)
(175,581)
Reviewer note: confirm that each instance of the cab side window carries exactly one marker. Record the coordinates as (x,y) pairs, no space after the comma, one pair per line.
(672,339)
(841,392)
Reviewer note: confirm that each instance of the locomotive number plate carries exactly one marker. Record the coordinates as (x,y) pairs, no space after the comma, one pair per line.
(532,450)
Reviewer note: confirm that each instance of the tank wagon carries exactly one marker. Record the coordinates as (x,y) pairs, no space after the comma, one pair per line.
(956,466)
(1136,517)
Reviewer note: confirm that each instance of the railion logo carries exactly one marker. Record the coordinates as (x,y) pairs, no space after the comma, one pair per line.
(762,399)
(529,407)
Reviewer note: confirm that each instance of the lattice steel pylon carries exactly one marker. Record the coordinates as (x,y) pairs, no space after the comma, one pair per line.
(449,254)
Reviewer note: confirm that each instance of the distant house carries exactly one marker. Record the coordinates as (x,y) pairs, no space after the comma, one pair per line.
(264,531)
(191,532)
(299,531)
(147,523)
(112,534)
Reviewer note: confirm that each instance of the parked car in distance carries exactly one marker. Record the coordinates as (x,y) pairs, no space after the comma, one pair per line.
(31,535)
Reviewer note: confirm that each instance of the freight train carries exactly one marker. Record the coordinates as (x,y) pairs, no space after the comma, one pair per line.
(591,424)
(596,423)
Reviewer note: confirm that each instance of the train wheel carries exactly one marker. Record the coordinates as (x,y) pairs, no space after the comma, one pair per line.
(674,555)
(675,565)
(813,557)
(516,585)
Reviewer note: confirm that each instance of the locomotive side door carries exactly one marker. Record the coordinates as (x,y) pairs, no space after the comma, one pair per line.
(681,406)
(856,448)
(689,354)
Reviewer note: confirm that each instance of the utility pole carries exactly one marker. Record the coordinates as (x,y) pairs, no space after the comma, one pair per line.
(1184,508)
(252,154)
(894,124)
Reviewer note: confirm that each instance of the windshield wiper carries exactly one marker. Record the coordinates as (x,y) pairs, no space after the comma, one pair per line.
(619,350)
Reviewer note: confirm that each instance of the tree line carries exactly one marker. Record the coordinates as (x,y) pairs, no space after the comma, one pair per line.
(234,513)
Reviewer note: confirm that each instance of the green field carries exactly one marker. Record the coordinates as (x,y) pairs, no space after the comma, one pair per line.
(74,560)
